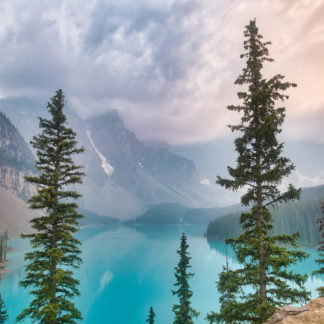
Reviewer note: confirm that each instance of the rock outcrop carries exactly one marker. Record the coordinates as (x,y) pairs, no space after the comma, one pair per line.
(312,313)
(13,180)
(16,160)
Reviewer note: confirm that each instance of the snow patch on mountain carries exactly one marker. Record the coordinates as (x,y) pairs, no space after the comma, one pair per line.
(109,169)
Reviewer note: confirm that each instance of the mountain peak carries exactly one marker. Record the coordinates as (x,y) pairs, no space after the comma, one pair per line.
(107,119)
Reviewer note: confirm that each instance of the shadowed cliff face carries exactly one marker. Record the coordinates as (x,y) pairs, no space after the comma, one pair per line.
(16,160)
(13,181)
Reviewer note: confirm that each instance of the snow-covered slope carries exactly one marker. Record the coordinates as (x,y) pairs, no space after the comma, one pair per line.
(104,163)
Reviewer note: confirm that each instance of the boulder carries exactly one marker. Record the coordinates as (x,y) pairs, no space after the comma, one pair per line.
(312,313)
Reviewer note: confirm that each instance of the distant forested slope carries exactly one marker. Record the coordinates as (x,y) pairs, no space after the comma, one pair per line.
(288,218)
(173,214)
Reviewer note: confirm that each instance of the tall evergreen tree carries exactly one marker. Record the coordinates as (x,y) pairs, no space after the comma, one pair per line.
(1,249)
(228,291)
(54,248)
(320,248)
(3,311)
(151,317)
(264,282)
(5,244)
(184,313)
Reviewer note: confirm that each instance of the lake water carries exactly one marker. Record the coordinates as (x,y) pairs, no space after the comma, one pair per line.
(125,271)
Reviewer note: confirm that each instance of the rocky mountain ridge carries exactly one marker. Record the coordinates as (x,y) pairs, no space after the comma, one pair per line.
(131,160)
(123,169)
(16,160)
(123,174)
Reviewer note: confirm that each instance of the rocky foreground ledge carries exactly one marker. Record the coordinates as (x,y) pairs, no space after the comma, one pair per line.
(312,313)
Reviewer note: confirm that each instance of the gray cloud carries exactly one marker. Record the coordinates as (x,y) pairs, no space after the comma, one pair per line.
(167,66)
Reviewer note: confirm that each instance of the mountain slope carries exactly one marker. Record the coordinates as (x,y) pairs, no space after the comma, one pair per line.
(14,214)
(13,149)
(212,158)
(128,193)
(16,160)
(176,214)
(288,218)
(151,174)
(124,175)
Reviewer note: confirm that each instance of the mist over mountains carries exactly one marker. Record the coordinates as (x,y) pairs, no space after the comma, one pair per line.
(125,175)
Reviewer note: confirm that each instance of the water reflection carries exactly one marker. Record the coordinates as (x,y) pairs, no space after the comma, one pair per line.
(305,267)
(125,270)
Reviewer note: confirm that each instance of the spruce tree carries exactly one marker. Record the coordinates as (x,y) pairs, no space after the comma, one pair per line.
(228,290)
(151,317)
(184,313)
(1,249)
(320,261)
(264,282)
(5,245)
(55,251)
(3,311)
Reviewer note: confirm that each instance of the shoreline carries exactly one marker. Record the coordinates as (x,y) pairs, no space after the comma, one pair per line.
(3,268)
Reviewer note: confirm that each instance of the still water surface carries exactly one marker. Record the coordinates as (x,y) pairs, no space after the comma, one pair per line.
(125,271)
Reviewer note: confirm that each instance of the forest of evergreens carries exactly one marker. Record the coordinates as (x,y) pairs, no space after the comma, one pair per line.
(175,214)
(288,218)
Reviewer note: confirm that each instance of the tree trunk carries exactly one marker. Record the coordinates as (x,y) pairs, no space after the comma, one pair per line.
(53,272)
(54,238)
(262,283)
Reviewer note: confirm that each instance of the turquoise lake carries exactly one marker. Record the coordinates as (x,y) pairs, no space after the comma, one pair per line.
(127,270)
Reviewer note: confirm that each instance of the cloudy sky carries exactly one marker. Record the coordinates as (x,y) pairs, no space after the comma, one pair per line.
(167,66)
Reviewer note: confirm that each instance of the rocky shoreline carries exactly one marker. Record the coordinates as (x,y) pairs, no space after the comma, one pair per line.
(312,313)
(3,268)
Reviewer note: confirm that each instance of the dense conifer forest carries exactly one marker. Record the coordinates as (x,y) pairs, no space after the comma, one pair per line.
(288,218)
